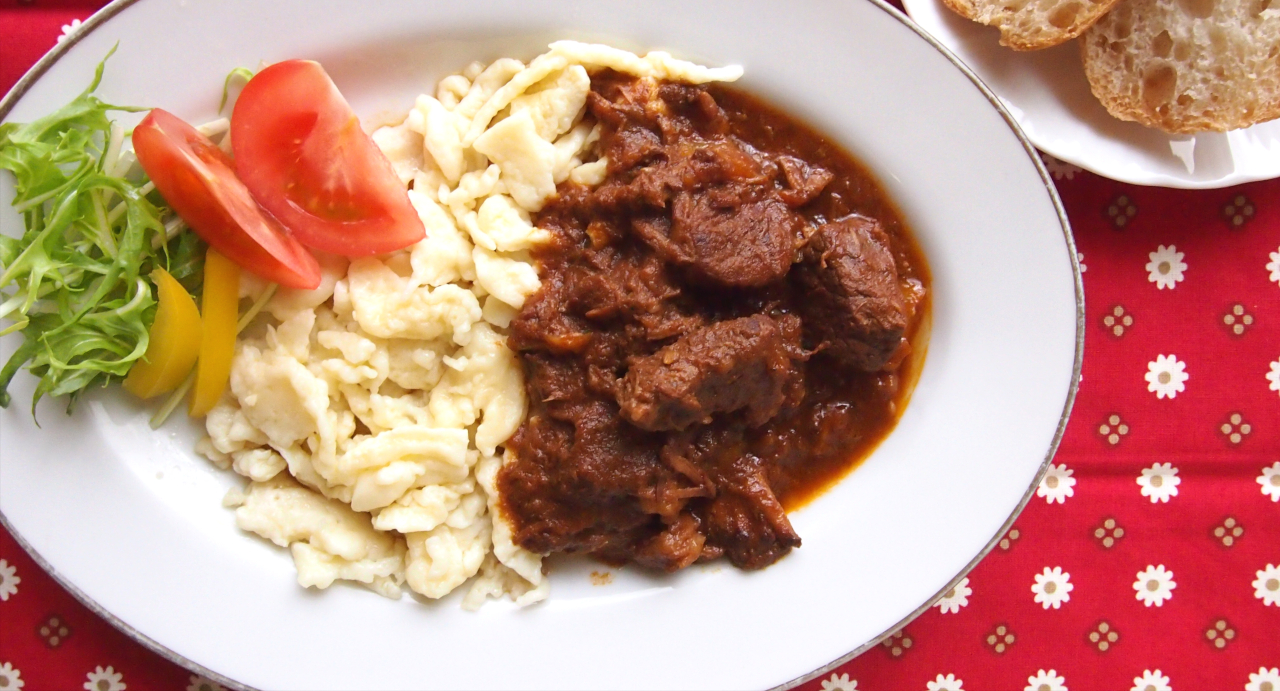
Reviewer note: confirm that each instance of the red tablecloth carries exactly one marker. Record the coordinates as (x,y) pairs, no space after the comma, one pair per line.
(1150,557)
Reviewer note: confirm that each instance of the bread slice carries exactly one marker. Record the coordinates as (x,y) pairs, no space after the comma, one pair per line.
(1187,66)
(1033,24)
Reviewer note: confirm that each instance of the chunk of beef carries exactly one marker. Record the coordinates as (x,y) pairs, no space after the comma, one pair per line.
(853,299)
(631,147)
(730,502)
(677,546)
(744,521)
(617,101)
(750,364)
(694,110)
(729,238)
(545,325)
(631,123)
(620,286)
(656,175)
(804,181)
(749,524)
(570,486)
(726,161)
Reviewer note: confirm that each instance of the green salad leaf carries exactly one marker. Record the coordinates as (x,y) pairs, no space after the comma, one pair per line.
(243,74)
(75,283)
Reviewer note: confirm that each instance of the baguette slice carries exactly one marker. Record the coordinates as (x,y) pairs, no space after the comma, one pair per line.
(1033,24)
(1186,66)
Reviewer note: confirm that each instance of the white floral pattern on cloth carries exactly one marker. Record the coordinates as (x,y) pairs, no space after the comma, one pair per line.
(1270,481)
(10,677)
(9,581)
(68,30)
(199,683)
(1057,484)
(104,680)
(947,683)
(1264,680)
(1166,267)
(1159,482)
(1274,376)
(955,598)
(1080,259)
(839,682)
(1154,585)
(1053,587)
(1046,681)
(1267,587)
(1151,681)
(1274,267)
(1166,376)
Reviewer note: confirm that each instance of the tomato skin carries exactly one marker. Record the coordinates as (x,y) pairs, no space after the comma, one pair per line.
(300,150)
(198,180)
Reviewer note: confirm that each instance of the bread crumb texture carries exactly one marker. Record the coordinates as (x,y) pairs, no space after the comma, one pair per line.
(1186,66)
(1034,24)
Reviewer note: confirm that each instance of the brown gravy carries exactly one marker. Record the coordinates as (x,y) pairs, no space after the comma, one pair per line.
(854,189)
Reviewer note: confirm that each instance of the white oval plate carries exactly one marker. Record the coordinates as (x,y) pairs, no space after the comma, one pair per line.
(131,520)
(1048,94)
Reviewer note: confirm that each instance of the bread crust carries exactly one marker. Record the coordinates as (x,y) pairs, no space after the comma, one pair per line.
(1151,62)
(1037,24)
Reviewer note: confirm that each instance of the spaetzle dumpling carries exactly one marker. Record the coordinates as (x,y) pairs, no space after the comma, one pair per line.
(287,513)
(557,102)
(424,508)
(509,279)
(527,160)
(444,558)
(277,394)
(385,309)
(505,227)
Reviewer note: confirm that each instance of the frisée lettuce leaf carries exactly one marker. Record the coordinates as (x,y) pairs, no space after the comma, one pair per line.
(75,284)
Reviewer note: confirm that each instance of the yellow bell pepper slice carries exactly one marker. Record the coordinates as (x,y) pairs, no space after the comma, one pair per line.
(173,344)
(220,307)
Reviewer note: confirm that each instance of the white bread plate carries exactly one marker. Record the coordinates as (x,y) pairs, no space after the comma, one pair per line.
(1048,94)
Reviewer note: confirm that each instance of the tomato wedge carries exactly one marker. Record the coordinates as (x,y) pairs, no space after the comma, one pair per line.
(196,178)
(300,150)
